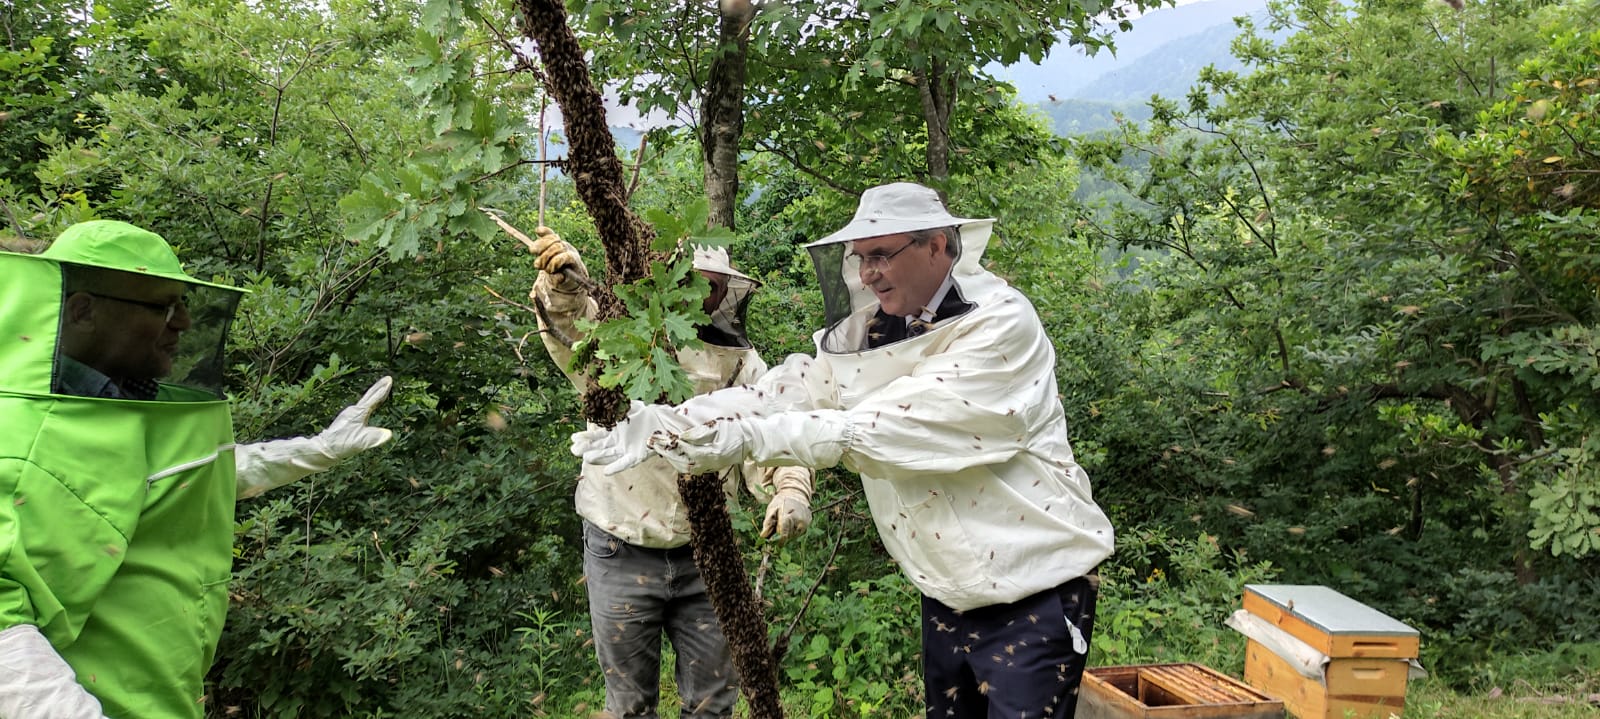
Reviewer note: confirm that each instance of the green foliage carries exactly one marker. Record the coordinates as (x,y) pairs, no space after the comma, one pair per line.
(1564,498)
(471,137)
(1478,623)
(1165,599)
(638,351)
(413,602)
(55,57)
(1323,337)
(864,664)
(857,646)
(1535,149)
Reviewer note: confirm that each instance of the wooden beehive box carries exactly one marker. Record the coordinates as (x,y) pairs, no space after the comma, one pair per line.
(1170,691)
(1369,652)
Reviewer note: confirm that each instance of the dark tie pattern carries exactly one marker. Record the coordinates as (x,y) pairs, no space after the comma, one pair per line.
(885,329)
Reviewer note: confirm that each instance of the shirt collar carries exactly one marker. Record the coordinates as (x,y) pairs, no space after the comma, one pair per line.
(932,309)
(80,380)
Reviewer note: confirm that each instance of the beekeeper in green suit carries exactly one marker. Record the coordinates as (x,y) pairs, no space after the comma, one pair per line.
(119,473)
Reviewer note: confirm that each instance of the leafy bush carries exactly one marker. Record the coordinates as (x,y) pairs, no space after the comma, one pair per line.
(863,655)
(1164,599)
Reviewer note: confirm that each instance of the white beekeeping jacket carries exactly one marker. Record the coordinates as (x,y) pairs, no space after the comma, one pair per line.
(958,435)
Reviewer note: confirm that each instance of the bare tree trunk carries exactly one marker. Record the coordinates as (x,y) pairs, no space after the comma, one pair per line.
(938,93)
(596,174)
(722,111)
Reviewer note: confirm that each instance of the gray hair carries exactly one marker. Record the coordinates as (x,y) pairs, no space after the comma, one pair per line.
(951,235)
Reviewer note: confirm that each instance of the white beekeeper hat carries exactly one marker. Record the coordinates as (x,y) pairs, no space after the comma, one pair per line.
(715,259)
(899,207)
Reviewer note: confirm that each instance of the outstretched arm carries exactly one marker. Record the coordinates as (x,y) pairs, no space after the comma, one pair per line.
(267,465)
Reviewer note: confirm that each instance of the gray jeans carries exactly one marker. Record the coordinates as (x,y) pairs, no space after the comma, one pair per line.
(636,593)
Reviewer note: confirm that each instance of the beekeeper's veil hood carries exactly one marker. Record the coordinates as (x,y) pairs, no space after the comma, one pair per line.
(176,324)
(886,210)
(729,298)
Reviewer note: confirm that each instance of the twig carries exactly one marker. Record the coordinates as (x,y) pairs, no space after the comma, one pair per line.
(587,284)
(538,310)
(781,644)
(638,161)
(543,167)
(502,298)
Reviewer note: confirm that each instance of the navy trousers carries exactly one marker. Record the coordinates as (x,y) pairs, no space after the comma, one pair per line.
(1022,660)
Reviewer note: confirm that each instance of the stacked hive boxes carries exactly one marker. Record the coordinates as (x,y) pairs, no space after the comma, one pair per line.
(1369,653)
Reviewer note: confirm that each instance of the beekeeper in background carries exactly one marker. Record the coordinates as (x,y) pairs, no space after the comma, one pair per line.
(638,563)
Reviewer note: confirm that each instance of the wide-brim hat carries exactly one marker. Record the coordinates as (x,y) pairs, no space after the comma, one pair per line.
(715,259)
(116,245)
(899,207)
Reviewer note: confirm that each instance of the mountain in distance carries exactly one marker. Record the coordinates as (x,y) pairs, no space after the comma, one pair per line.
(1170,70)
(1162,54)
(1068,71)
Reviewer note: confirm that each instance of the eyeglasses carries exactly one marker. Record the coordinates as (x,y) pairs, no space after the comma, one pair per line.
(877,261)
(167,310)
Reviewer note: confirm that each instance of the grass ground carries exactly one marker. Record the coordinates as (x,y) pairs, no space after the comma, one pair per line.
(1576,695)
(1425,699)
(1429,699)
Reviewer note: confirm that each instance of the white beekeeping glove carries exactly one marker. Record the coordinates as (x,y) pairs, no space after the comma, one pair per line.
(628,443)
(36,683)
(815,439)
(265,465)
(789,512)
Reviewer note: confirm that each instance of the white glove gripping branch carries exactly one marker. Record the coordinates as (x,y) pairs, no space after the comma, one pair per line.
(36,683)
(266,465)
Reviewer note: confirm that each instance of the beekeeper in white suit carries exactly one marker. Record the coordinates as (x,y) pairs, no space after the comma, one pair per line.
(641,576)
(934,381)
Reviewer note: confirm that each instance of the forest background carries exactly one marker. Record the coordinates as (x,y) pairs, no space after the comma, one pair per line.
(1330,318)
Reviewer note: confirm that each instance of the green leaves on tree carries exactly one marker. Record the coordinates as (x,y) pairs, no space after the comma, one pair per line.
(638,352)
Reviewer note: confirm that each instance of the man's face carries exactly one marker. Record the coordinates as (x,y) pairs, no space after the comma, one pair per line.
(123,328)
(902,274)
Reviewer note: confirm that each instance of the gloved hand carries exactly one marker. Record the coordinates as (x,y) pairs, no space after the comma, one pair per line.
(815,439)
(349,434)
(552,255)
(789,512)
(628,443)
(36,683)
(266,465)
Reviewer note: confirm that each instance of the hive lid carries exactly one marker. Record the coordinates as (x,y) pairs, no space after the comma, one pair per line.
(1328,610)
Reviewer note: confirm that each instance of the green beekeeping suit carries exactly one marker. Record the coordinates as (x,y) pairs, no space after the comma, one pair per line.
(116,515)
